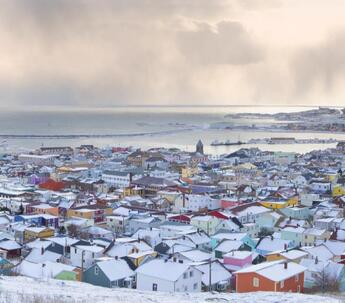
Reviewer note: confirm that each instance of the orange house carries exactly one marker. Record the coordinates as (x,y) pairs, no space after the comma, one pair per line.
(50,184)
(45,209)
(277,276)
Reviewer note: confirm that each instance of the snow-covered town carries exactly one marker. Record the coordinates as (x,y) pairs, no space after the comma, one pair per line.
(174,221)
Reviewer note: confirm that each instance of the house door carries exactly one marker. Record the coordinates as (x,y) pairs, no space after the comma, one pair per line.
(154,287)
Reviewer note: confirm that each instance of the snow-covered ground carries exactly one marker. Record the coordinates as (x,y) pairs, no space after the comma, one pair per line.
(21,289)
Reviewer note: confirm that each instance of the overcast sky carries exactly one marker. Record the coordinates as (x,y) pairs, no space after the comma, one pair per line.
(172,52)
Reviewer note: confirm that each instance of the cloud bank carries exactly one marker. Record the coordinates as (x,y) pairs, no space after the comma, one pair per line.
(173,52)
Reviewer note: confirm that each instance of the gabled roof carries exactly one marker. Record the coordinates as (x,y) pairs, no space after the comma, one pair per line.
(274,271)
(164,270)
(115,269)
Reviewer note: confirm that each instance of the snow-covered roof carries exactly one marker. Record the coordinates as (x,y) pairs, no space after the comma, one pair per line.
(229,245)
(218,273)
(164,270)
(9,245)
(238,254)
(45,270)
(275,270)
(115,269)
(196,255)
(321,251)
(294,254)
(36,256)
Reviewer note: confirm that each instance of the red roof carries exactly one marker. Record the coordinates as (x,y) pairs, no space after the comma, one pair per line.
(218,215)
(181,218)
(50,184)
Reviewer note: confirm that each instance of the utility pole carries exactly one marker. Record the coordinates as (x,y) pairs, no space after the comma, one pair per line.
(82,265)
(209,276)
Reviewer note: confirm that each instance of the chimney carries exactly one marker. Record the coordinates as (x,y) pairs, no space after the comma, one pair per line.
(285,265)
(285,246)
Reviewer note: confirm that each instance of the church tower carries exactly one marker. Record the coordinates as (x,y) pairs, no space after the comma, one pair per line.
(200,147)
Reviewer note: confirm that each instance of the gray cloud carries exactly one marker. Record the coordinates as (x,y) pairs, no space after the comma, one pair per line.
(226,43)
(107,52)
(322,65)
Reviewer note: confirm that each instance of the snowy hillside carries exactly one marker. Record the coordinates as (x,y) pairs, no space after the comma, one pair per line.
(26,290)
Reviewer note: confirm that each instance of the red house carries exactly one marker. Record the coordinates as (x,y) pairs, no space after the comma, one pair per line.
(52,185)
(180,218)
(278,276)
(12,248)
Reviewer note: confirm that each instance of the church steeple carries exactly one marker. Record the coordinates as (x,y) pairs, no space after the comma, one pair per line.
(200,147)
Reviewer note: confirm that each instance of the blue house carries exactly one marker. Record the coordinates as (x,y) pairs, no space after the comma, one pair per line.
(243,237)
(110,273)
(38,220)
(269,244)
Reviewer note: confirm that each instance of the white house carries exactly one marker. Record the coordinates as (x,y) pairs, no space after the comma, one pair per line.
(85,254)
(118,179)
(168,276)
(196,202)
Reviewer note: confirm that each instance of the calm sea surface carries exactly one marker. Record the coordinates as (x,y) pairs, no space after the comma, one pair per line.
(143,127)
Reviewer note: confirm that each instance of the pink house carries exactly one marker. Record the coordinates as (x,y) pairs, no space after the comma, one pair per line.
(237,259)
(230,202)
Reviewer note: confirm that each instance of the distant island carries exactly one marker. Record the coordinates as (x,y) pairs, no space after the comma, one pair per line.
(323,119)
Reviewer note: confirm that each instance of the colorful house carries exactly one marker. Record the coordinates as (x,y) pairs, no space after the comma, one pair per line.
(236,260)
(338,190)
(243,237)
(277,276)
(5,267)
(280,203)
(50,184)
(110,273)
(32,233)
(98,214)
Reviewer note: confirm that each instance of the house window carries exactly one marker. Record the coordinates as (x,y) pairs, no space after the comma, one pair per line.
(154,287)
(281,284)
(195,286)
(185,288)
(93,255)
(298,288)
(255,282)
(96,270)
(191,274)
(296,278)
(185,275)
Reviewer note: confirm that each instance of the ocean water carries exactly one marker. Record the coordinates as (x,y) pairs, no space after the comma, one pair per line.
(143,127)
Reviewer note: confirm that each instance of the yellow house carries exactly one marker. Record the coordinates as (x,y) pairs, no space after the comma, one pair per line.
(338,190)
(98,214)
(32,233)
(274,256)
(133,191)
(330,177)
(293,255)
(189,171)
(280,204)
(138,256)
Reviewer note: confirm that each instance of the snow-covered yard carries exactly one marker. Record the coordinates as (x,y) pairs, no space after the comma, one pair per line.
(26,290)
